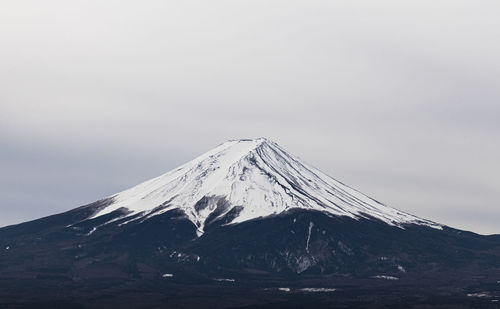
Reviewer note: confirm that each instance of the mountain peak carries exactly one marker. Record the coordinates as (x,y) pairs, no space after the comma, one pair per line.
(255,140)
(249,143)
(246,179)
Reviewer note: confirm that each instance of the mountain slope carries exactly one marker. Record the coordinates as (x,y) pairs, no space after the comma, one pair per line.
(245,224)
(249,179)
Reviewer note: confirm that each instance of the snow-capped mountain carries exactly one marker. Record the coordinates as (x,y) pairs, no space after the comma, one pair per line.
(243,225)
(248,179)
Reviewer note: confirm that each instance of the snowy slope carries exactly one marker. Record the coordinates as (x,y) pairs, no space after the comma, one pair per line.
(258,178)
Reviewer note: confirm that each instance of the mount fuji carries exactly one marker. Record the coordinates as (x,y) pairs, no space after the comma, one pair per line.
(248,217)
(244,180)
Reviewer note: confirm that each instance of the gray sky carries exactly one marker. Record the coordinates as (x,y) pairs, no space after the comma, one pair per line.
(398,99)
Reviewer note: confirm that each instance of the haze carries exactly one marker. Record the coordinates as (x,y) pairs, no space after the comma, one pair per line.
(398,99)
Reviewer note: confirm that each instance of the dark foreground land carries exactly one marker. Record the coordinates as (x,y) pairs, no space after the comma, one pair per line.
(450,291)
(301,259)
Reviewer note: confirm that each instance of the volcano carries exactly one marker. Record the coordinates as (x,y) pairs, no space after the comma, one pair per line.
(243,180)
(244,225)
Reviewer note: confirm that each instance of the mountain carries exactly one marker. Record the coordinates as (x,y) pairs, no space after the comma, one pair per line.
(244,225)
(242,180)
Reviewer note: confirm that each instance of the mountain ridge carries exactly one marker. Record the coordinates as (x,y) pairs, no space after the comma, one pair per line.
(249,178)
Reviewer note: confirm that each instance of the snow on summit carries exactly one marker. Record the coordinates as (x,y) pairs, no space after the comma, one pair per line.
(248,179)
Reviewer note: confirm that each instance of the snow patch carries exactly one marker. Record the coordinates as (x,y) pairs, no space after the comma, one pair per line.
(91,231)
(385,277)
(317,290)
(224,280)
(167,275)
(480,295)
(103,224)
(311,224)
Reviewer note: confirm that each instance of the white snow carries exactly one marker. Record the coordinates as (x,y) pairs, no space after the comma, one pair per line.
(311,224)
(91,231)
(307,290)
(316,290)
(167,275)
(258,175)
(96,227)
(480,295)
(385,277)
(7,248)
(224,279)
(401,269)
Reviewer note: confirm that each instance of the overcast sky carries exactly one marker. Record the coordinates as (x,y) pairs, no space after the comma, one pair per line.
(398,99)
